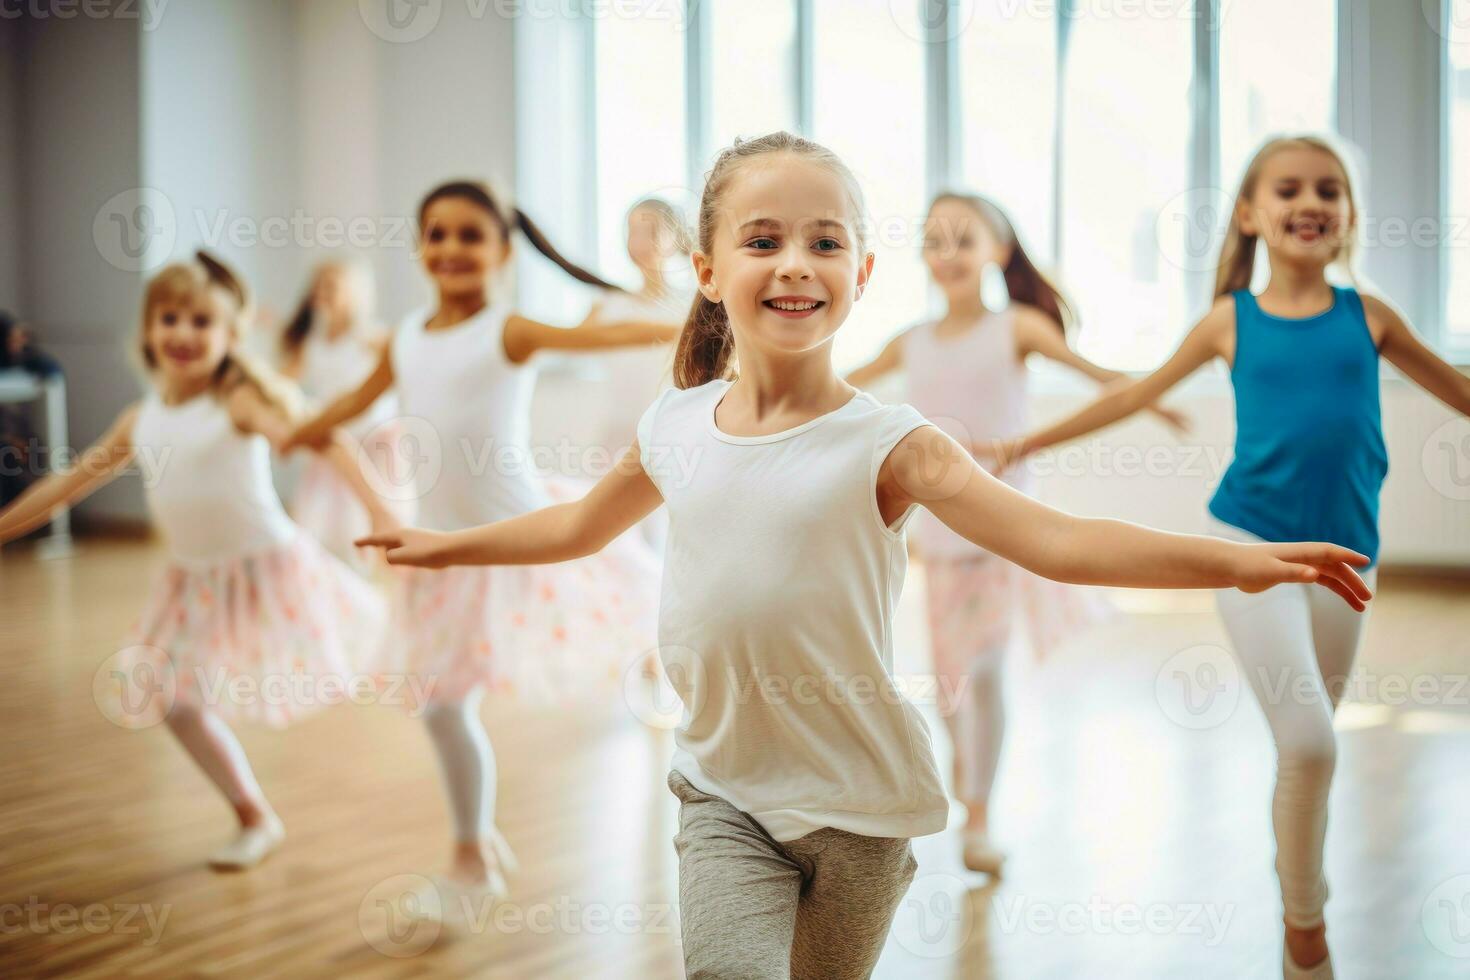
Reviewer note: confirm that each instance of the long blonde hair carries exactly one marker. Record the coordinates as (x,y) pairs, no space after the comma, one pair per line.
(707,344)
(183,280)
(1238,253)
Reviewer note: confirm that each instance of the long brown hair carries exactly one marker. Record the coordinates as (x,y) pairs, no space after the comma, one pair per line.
(182,280)
(707,344)
(1025,283)
(1238,253)
(510,219)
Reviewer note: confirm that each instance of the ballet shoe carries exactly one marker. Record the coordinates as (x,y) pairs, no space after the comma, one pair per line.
(981,855)
(1290,970)
(458,906)
(250,847)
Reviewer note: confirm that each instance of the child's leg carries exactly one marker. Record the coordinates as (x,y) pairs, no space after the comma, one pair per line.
(1336,631)
(1272,634)
(738,891)
(211,744)
(467,761)
(206,737)
(854,885)
(970,614)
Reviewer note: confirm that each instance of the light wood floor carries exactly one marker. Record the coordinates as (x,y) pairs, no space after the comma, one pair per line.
(1140,842)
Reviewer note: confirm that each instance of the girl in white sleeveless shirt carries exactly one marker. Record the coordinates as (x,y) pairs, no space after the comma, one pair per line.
(801,771)
(252,618)
(544,633)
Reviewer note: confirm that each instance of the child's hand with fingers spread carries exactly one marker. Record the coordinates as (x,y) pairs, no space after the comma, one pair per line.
(1260,566)
(411,546)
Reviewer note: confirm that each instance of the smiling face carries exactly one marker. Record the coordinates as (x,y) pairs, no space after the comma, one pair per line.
(461,246)
(187,334)
(958,245)
(785,260)
(1300,206)
(650,240)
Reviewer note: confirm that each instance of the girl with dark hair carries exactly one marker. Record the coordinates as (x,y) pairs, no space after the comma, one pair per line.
(546,632)
(967,372)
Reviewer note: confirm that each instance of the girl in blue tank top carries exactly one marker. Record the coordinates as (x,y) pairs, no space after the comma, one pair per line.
(1309,462)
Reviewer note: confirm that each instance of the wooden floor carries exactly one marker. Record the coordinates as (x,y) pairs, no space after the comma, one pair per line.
(1138,824)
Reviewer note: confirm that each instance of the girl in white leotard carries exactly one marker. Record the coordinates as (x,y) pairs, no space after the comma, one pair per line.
(543,632)
(251,619)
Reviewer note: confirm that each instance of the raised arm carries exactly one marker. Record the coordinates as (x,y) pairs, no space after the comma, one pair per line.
(1213,336)
(318,431)
(890,358)
(524,337)
(561,532)
(1035,333)
(929,468)
(97,466)
(1402,348)
(252,413)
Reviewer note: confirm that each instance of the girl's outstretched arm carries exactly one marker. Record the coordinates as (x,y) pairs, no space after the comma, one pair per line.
(96,467)
(524,337)
(252,413)
(890,358)
(929,468)
(561,532)
(1212,336)
(1402,348)
(1036,333)
(318,431)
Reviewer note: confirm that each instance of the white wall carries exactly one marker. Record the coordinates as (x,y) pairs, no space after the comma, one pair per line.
(12,253)
(79,135)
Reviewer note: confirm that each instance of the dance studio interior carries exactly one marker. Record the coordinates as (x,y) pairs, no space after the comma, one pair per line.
(735,489)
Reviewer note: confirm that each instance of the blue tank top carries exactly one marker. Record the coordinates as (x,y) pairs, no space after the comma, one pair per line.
(1309,453)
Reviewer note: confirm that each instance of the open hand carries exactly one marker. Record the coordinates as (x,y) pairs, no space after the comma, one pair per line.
(410,546)
(1260,566)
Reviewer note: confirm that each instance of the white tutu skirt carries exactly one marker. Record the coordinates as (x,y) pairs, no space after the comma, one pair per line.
(547,634)
(267,637)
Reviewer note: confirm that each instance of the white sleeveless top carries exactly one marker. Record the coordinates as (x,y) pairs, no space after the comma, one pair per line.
(330,368)
(973,386)
(208,485)
(775,627)
(467,421)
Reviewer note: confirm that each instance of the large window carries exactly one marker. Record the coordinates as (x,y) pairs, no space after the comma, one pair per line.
(865,67)
(752,69)
(641,139)
(1112,133)
(1457,167)
(1007,108)
(1124,158)
(1270,81)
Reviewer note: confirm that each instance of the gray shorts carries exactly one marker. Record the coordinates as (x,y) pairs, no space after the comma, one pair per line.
(752,908)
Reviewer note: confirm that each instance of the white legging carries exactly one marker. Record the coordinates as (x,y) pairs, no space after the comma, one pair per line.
(216,750)
(468,764)
(1296,644)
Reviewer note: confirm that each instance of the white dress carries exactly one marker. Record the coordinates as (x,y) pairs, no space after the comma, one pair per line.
(323,504)
(551,632)
(251,617)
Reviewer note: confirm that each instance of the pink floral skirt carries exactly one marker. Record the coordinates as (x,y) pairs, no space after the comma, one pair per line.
(267,637)
(974,604)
